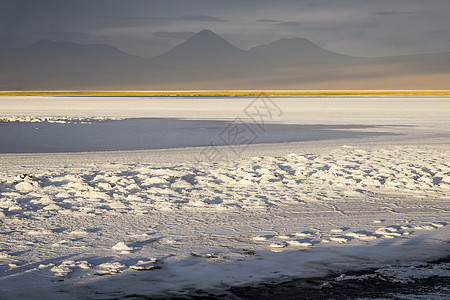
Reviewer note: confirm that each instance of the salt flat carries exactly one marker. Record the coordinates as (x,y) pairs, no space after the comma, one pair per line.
(155,133)
(172,221)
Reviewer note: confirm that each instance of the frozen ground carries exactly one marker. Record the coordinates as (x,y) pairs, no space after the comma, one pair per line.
(173,222)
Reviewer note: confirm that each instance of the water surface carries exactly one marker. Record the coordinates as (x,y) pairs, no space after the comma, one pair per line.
(156,133)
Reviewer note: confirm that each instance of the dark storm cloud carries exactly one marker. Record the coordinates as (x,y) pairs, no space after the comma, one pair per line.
(147,18)
(268,21)
(289,24)
(394,13)
(199,18)
(117,17)
(63,35)
(151,27)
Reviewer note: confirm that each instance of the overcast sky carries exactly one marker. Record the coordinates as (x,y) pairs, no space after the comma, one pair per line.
(148,28)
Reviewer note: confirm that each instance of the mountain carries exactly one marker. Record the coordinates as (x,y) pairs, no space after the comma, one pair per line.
(207,61)
(55,65)
(203,47)
(297,50)
(50,54)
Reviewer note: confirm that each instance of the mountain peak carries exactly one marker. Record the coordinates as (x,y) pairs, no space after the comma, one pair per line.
(208,38)
(293,49)
(206,32)
(292,43)
(204,44)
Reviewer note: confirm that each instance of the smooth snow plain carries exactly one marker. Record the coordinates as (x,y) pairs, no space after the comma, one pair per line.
(243,209)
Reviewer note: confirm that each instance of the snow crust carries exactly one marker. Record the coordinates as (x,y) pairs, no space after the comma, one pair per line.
(167,222)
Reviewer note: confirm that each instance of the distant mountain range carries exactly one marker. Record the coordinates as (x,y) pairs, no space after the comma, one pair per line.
(207,61)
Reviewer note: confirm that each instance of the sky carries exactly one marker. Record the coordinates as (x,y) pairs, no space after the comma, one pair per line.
(149,28)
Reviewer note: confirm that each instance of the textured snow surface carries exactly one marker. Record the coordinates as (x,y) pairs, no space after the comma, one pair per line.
(327,182)
(301,214)
(110,225)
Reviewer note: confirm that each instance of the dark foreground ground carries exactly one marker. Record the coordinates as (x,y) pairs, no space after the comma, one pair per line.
(369,284)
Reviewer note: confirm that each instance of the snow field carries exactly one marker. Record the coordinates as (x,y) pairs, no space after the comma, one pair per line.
(105,219)
(61,120)
(257,184)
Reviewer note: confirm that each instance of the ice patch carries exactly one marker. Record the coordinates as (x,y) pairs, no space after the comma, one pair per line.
(122,248)
(111,268)
(67,266)
(340,240)
(277,245)
(299,243)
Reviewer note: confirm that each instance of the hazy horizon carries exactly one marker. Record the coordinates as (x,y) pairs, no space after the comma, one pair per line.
(206,29)
(252,44)
(149,28)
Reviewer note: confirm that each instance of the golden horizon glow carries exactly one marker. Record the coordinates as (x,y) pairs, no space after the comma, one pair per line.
(281,93)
